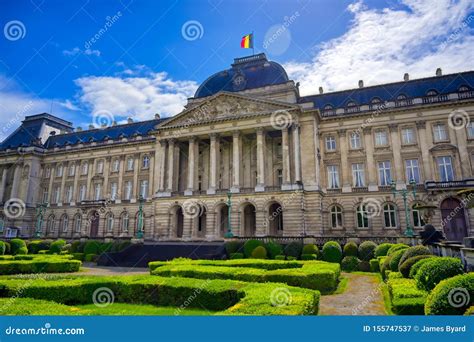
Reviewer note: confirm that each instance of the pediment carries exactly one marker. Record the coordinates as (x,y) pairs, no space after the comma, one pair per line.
(223,106)
(443,147)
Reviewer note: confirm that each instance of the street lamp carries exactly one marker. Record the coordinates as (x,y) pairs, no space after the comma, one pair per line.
(141,200)
(405,192)
(229,234)
(40,209)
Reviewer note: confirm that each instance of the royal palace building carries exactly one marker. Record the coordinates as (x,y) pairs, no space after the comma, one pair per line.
(248,150)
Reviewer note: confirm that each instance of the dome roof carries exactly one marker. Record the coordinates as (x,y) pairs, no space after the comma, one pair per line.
(246,73)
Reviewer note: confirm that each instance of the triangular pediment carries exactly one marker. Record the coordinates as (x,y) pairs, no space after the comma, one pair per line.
(223,106)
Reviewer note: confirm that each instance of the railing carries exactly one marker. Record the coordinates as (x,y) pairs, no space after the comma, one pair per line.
(360,189)
(320,240)
(247,190)
(466,183)
(353,109)
(434,99)
(272,188)
(466,94)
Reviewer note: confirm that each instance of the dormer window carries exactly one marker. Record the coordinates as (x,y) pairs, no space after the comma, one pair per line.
(352,107)
(328,109)
(432,93)
(463,89)
(402,100)
(465,92)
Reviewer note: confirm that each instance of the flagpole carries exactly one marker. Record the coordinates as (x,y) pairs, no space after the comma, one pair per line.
(253,44)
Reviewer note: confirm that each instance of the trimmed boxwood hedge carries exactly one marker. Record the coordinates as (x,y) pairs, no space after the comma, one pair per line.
(406,266)
(396,247)
(374,265)
(259,253)
(414,269)
(17,246)
(351,249)
(309,256)
(2,248)
(451,296)
(39,265)
(293,249)
(437,269)
(350,263)
(367,250)
(406,298)
(332,252)
(413,251)
(250,245)
(382,249)
(273,249)
(395,259)
(57,246)
(237,256)
(310,248)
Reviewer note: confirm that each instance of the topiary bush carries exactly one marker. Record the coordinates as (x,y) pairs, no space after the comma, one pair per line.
(231,247)
(364,266)
(406,266)
(16,244)
(374,265)
(259,253)
(77,247)
(367,250)
(22,250)
(414,251)
(34,246)
(57,246)
(395,259)
(91,257)
(236,256)
(414,269)
(8,249)
(350,249)
(451,296)
(310,249)
(273,248)
(91,247)
(332,252)
(437,269)
(396,247)
(2,248)
(382,249)
(280,257)
(385,265)
(289,257)
(78,256)
(250,245)
(294,249)
(350,263)
(309,257)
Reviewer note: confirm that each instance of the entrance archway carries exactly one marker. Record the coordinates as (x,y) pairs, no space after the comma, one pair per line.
(94,224)
(201,222)
(223,219)
(275,219)
(176,222)
(454,219)
(249,220)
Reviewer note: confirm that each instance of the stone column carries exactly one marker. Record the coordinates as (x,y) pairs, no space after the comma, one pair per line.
(105,190)
(136,166)
(297,153)
(16,181)
(236,142)
(151,177)
(160,166)
(425,153)
(191,166)
(369,154)
(285,153)
(260,187)
(461,139)
(344,171)
(76,181)
(213,164)
(3,183)
(171,161)
(90,173)
(50,185)
(397,156)
(120,180)
(63,183)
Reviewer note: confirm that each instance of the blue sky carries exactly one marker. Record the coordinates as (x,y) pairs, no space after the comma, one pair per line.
(144,61)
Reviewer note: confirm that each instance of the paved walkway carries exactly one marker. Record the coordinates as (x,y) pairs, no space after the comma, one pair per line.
(109,271)
(362,296)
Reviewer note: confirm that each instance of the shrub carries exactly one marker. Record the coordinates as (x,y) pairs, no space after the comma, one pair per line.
(250,245)
(22,250)
(78,256)
(230,247)
(280,257)
(374,265)
(332,252)
(406,298)
(91,247)
(382,249)
(364,266)
(350,249)
(105,247)
(259,253)
(349,263)
(294,249)
(16,244)
(8,249)
(309,257)
(385,265)
(416,267)
(290,257)
(273,248)
(367,250)
(77,247)
(33,246)
(470,311)
(236,256)
(406,266)
(2,248)
(310,249)
(414,251)
(57,246)
(437,269)
(451,296)
(91,257)
(43,251)
(395,259)
(396,247)
(41,265)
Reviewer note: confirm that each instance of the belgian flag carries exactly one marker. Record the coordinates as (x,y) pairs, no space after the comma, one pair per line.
(247,41)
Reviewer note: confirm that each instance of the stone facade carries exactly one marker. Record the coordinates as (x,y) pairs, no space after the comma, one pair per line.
(289,167)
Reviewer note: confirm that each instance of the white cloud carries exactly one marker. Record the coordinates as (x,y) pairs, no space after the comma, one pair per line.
(136,97)
(381,45)
(75,51)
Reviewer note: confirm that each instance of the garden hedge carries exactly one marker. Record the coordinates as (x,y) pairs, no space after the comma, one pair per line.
(57,246)
(451,296)
(310,249)
(351,249)
(396,247)
(364,266)
(237,256)
(294,249)
(259,253)
(414,269)
(2,248)
(406,298)
(437,269)
(309,256)
(250,245)
(406,266)
(350,264)
(332,252)
(382,249)
(414,251)
(273,249)
(39,265)
(367,250)
(395,259)
(374,265)
(16,245)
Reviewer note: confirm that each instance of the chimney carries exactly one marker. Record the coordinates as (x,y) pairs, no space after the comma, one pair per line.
(129,120)
(91,126)
(321,90)
(157,116)
(361,84)
(406,77)
(439,72)
(79,129)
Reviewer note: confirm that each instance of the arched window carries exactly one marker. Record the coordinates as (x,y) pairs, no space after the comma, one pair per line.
(352,107)
(417,218)
(50,226)
(376,100)
(336,217)
(402,100)
(389,215)
(328,107)
(463,89)
(110,223)
(78,223)
(362,216)
(124,222)
(432,93)
(65,223)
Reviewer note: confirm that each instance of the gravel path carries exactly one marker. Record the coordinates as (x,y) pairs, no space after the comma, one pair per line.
(362,297)
(112,271)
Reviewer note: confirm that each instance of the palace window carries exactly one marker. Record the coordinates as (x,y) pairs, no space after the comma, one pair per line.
(100,166)
(128,190)
(362,216)
(69,194)
(57,193)
(50,225)
(355,140)
(412,170)
(336,217)
(381,138)
(330,143)
(352,107)
(389,216)
(82,193)
(77,223)
(45,195)
(432,93)
(85,168)
(130,164)
(59,171)
(110,223)
(417,218)
(333,177)
(408,136)
(97,191)
(280,176)
(144,188)
(65,223)
(125,222)
(72,170)
(47,172)
(2,224)
(445,167)
(116,165)
(470,130)
(385,177)
(328,110)
(401,101)
(145,162)
(375,103)
(279,150)
(113,191)
(358,177)
(439,132)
